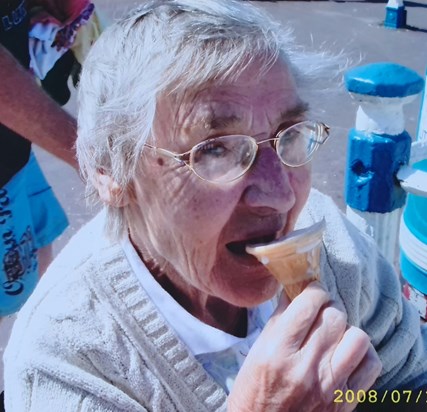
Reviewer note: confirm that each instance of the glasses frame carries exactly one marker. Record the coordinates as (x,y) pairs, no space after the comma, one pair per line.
(186,157)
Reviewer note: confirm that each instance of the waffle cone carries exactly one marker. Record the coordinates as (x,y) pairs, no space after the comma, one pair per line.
(294,260)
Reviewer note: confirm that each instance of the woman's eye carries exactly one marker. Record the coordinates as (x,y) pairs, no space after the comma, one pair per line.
(213,149)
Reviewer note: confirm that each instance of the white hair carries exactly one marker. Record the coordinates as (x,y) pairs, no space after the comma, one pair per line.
(170,46)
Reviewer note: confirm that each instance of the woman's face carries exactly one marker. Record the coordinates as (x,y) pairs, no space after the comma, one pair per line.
(196,230)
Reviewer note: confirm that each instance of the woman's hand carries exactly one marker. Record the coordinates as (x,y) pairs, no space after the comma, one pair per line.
(305,353)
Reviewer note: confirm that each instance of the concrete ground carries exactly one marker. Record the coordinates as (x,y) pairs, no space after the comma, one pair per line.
(352,27)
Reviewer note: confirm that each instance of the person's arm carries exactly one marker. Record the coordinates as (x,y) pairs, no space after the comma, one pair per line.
(59,9)
(30,112)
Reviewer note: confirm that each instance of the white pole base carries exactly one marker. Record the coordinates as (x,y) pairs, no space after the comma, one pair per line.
(382,227)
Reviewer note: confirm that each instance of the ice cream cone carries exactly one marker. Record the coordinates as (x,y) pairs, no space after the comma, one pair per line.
(294,260)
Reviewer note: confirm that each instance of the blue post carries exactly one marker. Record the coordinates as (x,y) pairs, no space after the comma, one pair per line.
(378,147)
(395,17)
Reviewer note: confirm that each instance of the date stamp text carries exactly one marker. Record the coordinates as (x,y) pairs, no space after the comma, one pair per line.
(372,396)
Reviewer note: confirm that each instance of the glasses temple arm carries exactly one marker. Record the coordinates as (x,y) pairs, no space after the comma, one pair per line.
(179,157)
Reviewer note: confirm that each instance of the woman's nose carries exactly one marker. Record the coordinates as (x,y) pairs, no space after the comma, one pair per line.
(268,183)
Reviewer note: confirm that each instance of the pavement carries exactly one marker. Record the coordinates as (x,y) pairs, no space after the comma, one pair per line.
(352,27)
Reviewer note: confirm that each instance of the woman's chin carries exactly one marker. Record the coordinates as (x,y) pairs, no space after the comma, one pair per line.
(250,289)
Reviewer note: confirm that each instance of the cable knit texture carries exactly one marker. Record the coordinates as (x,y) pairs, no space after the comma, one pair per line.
(90,339)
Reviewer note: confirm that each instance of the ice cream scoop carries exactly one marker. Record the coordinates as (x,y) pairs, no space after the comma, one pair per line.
(294,259)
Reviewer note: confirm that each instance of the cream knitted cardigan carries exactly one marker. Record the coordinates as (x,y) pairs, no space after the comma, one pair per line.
(90,339)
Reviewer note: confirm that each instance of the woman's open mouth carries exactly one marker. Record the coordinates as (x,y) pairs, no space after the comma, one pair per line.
(239,248)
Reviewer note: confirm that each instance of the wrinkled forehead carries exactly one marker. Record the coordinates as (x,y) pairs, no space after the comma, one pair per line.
(231,105)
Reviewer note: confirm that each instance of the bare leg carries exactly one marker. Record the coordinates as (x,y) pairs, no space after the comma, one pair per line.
(45,256)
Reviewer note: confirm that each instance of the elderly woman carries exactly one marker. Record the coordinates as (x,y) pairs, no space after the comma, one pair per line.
(194,134)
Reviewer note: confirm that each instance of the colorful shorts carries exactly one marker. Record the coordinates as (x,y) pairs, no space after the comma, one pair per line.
(30,218)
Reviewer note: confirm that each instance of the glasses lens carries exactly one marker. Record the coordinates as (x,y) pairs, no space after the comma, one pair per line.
(297,144)
(223,159)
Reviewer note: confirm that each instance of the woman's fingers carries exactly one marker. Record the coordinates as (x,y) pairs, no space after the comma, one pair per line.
(282,305)
(353,363)
(304,355)
(323,339)
(365,375)
(301,314)
(349,353)
(356,387)
(320,331)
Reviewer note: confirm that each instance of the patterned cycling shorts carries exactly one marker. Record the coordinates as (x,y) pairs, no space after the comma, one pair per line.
(30,218)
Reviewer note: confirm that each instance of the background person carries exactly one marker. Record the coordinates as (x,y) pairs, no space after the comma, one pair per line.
(168,312)
(30,216)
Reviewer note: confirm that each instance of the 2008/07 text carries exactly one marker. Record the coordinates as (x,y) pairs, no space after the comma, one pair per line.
(374,396)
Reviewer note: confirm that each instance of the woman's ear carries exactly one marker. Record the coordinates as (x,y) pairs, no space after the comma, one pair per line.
(109,190)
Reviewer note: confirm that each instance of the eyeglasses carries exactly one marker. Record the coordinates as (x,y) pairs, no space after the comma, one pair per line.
(226,158)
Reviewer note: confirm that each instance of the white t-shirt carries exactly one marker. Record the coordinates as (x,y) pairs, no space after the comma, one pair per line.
(220,353)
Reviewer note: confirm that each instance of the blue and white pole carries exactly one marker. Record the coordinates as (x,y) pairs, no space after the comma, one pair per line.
(413,227)
(395,15)
(378,147)
(422,124)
